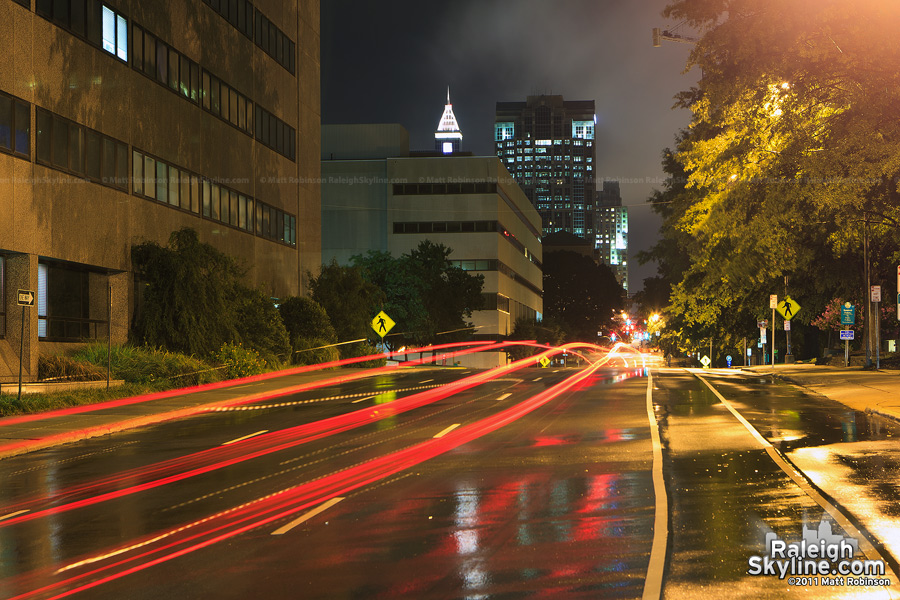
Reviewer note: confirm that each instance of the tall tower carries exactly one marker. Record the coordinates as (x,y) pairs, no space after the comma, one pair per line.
(612,230)
(547,144)
(448,137)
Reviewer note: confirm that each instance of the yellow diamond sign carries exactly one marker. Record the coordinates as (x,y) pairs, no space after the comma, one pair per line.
(382,324)
(544,361)
(788,308)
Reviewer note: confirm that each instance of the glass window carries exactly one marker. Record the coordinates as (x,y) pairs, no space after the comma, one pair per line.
(185,192)
(214,95)
(149,55)
(206,90)
(23,128)
(242,113)
(60,143)
(214,201)
(61,12)
(174,176)
(137,47)
(77,17)
(108,163)
(173,69)
(149,177)
(185,78)
(233,106)
(76,144)
(195,82)
(195,194)
(109,30)
(121,38)
(92,153)
(94,22)
(42,300)
(242,212)
(121,166)
(259,218)
(6,122)
(162,63)
(137,172)
(205,198)
(162,182)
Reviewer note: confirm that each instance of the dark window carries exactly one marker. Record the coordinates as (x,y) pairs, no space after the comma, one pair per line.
(195,82)
(162,62)
(121,165)
(185,78)
(60,137)
(137,48)
(173,69)
(92,155)
(78,17)
(214,95)
(108,163)
(76,145)
(149,55)
(6,122)
(94,24)
(23,128)
(61,12)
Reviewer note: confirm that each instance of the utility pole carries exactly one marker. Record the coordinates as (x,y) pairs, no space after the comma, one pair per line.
(868,292)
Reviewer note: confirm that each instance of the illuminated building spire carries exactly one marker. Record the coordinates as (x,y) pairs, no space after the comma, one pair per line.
(448,137)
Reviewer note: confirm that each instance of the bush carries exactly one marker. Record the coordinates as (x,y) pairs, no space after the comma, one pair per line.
(362,349)
(314,357)
(239,361)
(304,318)
(140,364)
(63,367)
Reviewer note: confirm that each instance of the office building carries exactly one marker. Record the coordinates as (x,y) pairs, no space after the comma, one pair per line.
(547,144)
(376,196)
(612,231)
(124,122)
(448,137)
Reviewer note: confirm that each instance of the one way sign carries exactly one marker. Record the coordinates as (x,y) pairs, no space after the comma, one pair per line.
(26,298)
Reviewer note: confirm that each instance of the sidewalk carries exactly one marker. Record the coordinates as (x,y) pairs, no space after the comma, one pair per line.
(26,433)
(863,390)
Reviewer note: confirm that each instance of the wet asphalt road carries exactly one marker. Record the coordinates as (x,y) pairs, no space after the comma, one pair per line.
(553,502)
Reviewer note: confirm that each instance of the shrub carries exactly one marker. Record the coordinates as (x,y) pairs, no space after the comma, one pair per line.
(63,367)
(141,364)
(239,361)
(304,318)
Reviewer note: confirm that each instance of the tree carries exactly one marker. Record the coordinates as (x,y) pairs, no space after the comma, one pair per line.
(792,147)
(308,326)
(547,331)
(580,293)
(192,299)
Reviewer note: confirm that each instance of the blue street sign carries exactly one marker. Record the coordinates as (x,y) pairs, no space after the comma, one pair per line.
(728,360)
(848,315)
(846,334)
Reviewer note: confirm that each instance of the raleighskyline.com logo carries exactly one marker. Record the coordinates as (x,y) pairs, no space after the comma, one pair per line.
(819,558)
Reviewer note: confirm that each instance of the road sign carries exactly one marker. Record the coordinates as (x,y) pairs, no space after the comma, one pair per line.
(728,360)
(26,297)
(788,308)
(787,325)
(846,334)
(382,324)
(876,293)
(773,301)
(848,314)
(544,362)
(705,361)
(762,324)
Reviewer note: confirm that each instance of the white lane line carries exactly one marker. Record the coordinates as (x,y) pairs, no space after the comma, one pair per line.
(797,477)
(308,515)
(653,582)
(538,379)
(504,397)
(426,381)
(362,399)
(13,514)
(240,439)
(447,430)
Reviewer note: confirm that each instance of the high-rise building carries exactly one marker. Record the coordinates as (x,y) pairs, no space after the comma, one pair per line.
(448,137)
(124,121)
(612,231)
(547,144)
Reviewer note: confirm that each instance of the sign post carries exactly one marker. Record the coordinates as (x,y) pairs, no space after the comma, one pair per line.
(773,304)
(848,317)
(25,299)
(876,298)
(788,309)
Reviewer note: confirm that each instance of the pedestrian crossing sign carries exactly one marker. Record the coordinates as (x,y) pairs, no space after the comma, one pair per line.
(788,308)
(382,323)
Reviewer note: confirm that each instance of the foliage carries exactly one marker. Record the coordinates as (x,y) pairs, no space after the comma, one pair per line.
(305,318)
(549,331)
(240,361)
(350,300)
(259,325)
(66,368)
(36,403)
(581,294)
(791,149)
(145,365)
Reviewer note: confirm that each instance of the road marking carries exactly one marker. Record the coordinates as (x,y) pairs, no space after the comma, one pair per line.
(14,514)
(447,430)
(362,399)
(246,437)
(797,477)
(538,379)
(653,581)
(504,397)
(308,515)
(426,381)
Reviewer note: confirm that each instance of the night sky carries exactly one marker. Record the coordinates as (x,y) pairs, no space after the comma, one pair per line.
(391,62)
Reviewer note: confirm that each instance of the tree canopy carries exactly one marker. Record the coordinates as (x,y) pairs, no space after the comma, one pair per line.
(794,145)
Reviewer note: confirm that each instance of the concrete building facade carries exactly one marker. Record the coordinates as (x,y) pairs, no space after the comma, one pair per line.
(123,121)
(375,196)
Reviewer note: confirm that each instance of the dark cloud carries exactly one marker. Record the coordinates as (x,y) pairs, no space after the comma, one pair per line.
(392,62)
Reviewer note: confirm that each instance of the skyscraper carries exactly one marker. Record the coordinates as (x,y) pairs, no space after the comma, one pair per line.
(547,143)
(448,137)
(612,231)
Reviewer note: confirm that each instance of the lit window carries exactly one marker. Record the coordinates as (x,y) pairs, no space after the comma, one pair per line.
(109,30)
